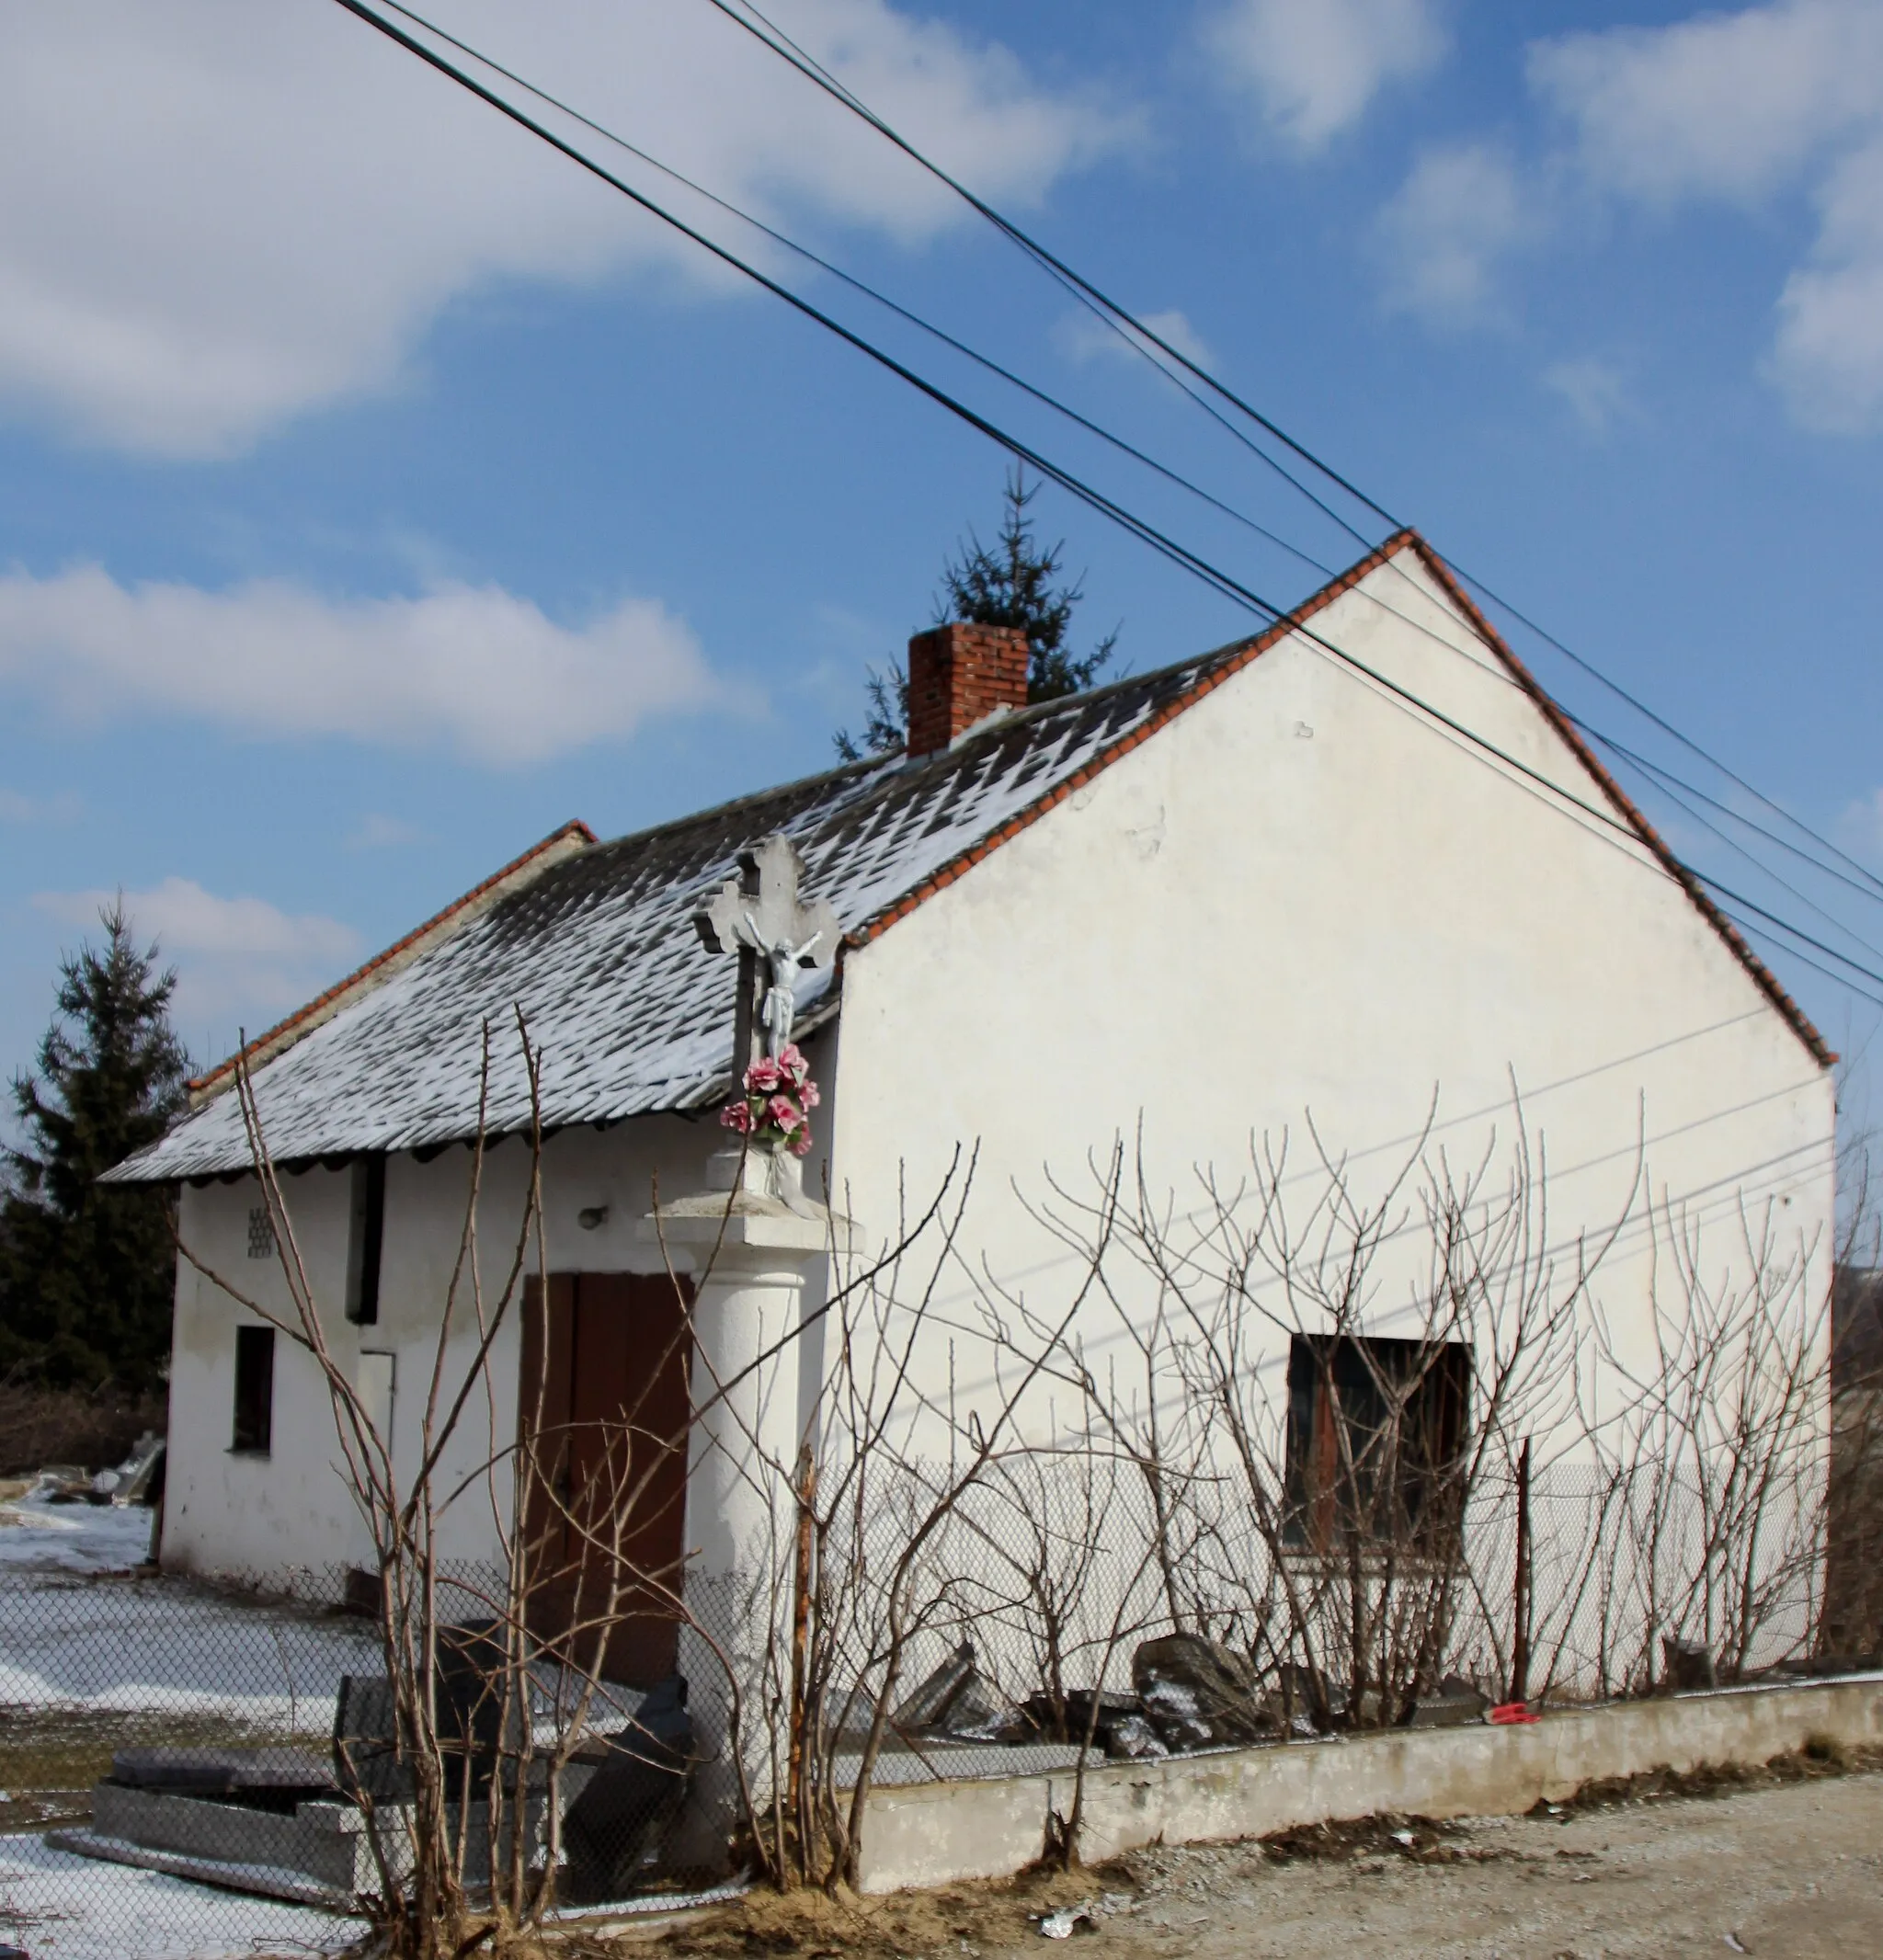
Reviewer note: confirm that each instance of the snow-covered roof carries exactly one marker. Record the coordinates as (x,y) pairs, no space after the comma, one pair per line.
(630,1012)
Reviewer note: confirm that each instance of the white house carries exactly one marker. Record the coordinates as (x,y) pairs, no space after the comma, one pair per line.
(1352,864)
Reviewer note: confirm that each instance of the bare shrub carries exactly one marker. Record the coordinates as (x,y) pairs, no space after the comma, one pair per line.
(879,1557)
(1713,1443)
(1284,1412)
(1324,1388)
(86,1427)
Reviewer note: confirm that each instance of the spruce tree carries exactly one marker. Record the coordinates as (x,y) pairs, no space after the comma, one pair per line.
(87,1270)
(1010,583)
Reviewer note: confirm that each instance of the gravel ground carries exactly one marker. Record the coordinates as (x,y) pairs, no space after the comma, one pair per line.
(1794,1872)
(1791,1865)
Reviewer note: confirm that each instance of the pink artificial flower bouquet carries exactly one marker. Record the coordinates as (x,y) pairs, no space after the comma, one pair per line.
(774,1110)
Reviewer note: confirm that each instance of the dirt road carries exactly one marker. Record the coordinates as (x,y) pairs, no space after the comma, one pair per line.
(1793,1871)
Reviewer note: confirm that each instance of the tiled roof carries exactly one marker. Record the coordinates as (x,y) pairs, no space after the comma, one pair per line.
(381,968)
(631,1013)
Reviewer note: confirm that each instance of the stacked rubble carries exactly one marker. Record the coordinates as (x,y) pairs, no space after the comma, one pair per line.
(1188,1693)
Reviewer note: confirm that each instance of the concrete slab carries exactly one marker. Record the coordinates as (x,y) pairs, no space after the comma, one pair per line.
(936,1833)
(266,1880)
(322,1843)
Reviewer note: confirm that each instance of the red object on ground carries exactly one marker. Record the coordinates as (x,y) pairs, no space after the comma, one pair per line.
(1506,1714)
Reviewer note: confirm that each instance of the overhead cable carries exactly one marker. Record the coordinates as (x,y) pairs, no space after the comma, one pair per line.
(747,15)
(1669,786)
(1200,567)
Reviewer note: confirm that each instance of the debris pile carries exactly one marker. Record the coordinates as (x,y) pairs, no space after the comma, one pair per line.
(1187,1693)
(1198,1694)
(139,1479)
(959,1703)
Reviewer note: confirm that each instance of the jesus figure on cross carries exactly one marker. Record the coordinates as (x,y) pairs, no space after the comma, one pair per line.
(779,1004)
(760,917)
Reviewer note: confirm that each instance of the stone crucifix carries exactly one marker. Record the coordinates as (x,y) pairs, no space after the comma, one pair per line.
(760,917)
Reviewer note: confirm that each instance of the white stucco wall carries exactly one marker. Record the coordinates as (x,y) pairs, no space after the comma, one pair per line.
(1299,899)
(264,1516)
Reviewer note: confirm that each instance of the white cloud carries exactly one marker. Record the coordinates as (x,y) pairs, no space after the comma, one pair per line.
(1086,337)
(1828,353)
(1439,239)
(1722,104)
(221,215)
(16,807)
(1594,390)
(472,667)
(1735,107)
(377,832)
(233,956)
(1860,828)
(1314,65)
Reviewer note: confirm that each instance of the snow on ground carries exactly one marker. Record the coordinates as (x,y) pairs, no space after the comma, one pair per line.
(61,1907)
(81,1628)
(73,1537)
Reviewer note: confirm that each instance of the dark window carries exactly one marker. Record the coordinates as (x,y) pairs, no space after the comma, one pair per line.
(363,1242)
(255,1389)
(1377,1435)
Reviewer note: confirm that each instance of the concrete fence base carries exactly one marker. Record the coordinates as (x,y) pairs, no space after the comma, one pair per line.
(934,1834)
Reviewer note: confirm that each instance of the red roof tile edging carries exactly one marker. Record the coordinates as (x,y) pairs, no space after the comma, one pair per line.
(572,837)
(1762,975)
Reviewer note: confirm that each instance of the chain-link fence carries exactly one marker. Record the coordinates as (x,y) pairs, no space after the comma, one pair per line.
(193,1767)
(1594,1585)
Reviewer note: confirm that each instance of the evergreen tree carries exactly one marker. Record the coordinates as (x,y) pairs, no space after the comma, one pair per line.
(87,1270)
(1010,583)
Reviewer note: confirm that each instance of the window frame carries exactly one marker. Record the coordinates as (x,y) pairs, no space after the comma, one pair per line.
(1423,1518)
(366,1238)
(252,1428)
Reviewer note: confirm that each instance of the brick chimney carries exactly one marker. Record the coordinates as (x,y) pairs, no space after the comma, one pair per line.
(958,676)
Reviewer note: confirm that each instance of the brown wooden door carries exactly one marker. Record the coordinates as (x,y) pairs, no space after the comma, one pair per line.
(603,1415)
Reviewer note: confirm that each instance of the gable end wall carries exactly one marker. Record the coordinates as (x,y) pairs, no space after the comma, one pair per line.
(1297,898)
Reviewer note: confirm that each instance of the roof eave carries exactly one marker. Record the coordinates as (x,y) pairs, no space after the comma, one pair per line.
(1763,977)
(573,836)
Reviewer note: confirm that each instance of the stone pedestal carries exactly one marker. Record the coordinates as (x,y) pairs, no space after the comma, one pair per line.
(760,1254)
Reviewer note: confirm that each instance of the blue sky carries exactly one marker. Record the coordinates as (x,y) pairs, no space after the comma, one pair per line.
(377,493)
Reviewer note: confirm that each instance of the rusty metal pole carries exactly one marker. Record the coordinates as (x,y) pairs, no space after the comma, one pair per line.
(1520,1639)
(804,1486)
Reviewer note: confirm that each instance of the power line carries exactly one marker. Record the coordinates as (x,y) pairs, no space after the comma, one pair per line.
(1665,778)
(1222,582)
(1871,881)
(774,36)
(1785,924)
(1109,313)
(1758,864)
(1817,966)
(866,289)
(1084,422)
(1178,553)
